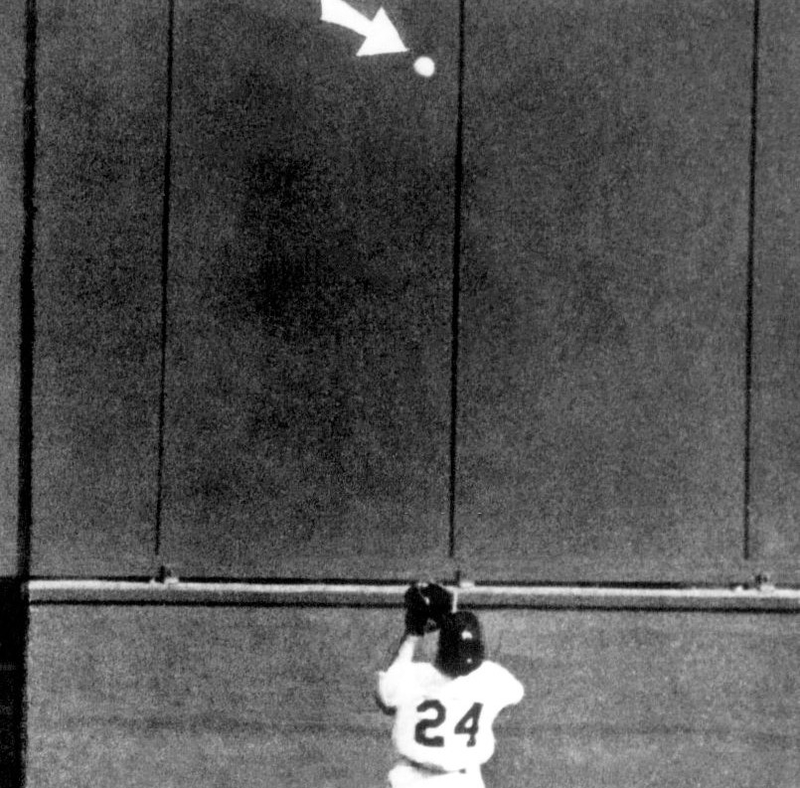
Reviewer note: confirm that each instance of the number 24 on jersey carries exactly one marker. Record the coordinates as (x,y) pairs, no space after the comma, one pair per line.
(425,732)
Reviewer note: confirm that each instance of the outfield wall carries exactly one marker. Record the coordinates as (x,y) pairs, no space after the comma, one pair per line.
(291,313)
(144,695)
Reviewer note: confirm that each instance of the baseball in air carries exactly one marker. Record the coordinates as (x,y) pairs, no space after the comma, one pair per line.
(424,66)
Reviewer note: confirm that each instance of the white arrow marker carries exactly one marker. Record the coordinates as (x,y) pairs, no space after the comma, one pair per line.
(380,35)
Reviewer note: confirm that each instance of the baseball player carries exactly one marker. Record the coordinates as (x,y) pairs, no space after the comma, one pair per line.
(443,711)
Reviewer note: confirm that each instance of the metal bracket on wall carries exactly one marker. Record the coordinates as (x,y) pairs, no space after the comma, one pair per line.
(166,575)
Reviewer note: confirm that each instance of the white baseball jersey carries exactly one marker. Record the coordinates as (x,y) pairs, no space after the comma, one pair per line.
(446,723)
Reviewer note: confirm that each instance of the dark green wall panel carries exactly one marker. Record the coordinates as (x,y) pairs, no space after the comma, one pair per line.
(603,291)
(101,99)
(283,697)
(603,304)
(308,360)
(12,63)
(776,322)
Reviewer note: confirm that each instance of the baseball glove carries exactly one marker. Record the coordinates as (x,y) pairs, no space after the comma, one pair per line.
(426,604)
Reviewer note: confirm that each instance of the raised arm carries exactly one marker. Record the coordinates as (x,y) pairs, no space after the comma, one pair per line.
(424,606)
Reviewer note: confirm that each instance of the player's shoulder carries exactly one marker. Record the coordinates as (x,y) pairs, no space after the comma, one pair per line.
(411,671)
(491,669)
(403,684)
(427,673)
(493,677)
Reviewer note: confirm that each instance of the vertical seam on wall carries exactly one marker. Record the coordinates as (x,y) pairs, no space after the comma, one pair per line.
(455,318)
(165,225)
(27,316)
(747,536)
(27,306)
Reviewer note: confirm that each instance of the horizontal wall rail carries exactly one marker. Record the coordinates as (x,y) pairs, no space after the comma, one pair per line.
(764,598)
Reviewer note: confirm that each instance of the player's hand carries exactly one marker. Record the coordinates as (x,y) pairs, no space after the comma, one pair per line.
(426,604)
